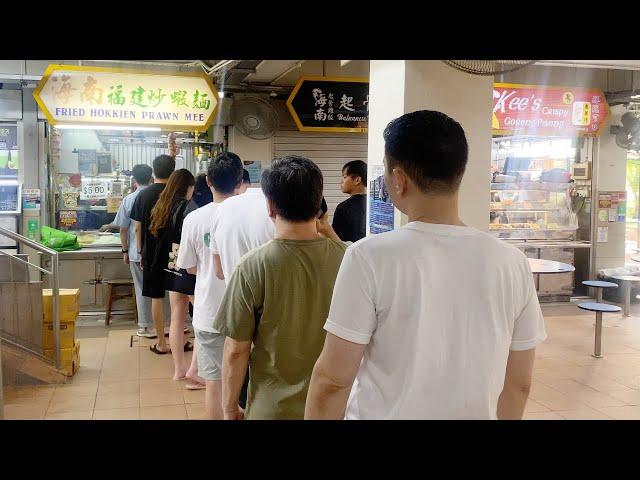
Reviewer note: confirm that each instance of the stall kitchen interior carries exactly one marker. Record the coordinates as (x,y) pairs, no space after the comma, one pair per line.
(555,172)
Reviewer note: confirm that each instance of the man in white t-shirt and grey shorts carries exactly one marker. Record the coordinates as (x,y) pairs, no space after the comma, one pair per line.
(433,320)
(241,224)
(224,176)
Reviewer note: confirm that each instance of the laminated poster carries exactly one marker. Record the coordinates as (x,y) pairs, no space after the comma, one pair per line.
(603,215)
(113,204)
(603,234)
(70,199)
(622,210)
(604,201)
(68,218)
(613,214)
(255,171)
(31,199)
(88,162)
(381,211)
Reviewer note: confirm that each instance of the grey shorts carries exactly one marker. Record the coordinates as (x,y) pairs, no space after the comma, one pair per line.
(210,346)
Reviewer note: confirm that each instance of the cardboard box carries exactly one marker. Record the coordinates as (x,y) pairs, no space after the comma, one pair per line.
(69,304)
(67,335)
(69,359)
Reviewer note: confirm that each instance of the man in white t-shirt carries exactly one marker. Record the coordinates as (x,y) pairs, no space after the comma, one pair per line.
(241,224)
(224,176)
(434,320)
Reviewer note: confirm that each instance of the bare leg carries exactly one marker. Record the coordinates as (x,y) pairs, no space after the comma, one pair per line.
(213,401)
(179,306)
(192,373)
(158,320)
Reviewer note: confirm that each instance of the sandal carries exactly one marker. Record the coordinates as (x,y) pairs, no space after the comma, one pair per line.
(157,351)
(188,347)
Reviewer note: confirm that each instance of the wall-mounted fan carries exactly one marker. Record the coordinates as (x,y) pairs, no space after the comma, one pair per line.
(628,134)
(254,117)
(488,67)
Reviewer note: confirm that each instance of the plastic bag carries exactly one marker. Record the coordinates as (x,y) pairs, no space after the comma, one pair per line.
(58,240)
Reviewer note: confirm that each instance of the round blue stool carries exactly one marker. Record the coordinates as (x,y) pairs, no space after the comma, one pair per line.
(599,286)
(599,308)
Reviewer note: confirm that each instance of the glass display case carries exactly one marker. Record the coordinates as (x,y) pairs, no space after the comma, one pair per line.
(537,204)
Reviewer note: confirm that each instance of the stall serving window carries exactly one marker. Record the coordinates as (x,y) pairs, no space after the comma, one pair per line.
(91,172)
(540,202)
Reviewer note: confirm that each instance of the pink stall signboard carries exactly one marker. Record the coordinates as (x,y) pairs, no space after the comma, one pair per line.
(549,111)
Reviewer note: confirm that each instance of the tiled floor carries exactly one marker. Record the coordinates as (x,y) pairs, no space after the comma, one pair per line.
(119,382)
(114,382)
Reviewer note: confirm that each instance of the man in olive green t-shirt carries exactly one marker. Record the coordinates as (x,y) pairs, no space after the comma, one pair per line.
(278,299)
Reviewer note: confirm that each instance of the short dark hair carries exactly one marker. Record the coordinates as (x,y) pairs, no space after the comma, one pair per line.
(225,172)
(163,166)
(356,168)
(294,185)
(142,173)
(430,147)
(245,176)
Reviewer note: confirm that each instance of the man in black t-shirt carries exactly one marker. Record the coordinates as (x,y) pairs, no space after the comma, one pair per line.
(153,280)
(349,219)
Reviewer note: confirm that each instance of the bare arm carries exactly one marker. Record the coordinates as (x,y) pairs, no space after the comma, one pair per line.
(138,228)
(124,242)
(192,271)
(325,229)
(217,266)
(332,378)
(235,360)
(124,238)
(517,384)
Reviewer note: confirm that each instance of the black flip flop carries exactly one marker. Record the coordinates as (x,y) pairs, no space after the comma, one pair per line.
(188,347)
(155,350)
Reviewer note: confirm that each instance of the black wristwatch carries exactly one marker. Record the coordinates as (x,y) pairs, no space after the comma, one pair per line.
(125,251)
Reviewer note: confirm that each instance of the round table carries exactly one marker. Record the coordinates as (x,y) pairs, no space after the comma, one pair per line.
(540,266)
(628,280)
(549,266)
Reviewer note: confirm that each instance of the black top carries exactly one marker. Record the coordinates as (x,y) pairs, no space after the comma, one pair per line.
(169,237)
(349,220)
(141,212)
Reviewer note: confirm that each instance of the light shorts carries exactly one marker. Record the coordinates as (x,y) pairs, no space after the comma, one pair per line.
(210,347)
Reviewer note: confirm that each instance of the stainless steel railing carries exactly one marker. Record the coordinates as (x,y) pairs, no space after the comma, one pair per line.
(55,281)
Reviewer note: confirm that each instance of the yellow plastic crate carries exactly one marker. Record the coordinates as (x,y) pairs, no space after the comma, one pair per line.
(69,359)
(69,304)
(67,335)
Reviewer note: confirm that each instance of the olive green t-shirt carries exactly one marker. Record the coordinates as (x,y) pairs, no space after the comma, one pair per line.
(279,297)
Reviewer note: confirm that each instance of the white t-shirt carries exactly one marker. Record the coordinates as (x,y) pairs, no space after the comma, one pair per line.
(439,307)
(194,252)
(241,224)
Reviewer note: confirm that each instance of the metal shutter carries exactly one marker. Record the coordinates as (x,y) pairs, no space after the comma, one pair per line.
(330,151)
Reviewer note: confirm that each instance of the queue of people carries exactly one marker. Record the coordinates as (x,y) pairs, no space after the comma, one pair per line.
(297,318)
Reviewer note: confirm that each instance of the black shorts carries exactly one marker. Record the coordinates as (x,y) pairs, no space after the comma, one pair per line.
(180,281)
(153,283)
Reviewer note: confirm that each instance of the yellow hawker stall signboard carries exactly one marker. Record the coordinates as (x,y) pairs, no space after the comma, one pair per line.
(99,96)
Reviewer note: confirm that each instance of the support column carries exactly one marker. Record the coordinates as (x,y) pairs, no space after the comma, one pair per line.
(398,87)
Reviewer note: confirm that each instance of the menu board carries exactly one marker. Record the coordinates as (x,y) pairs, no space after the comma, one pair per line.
(330,104)
(88,162)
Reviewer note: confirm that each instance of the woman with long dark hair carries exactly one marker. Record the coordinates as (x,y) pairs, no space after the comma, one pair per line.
(166,225)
